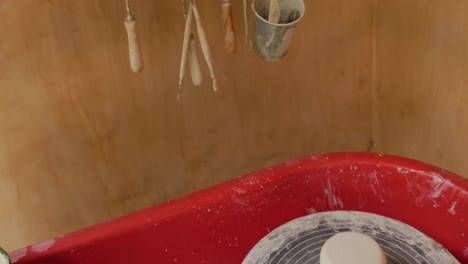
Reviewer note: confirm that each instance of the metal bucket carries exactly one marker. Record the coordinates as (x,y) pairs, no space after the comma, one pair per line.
(271,41)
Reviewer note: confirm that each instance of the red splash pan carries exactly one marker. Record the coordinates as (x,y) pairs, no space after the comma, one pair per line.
(222,223)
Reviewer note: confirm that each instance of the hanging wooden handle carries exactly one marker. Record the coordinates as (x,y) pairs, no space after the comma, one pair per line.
(185,49)
(205,47)
(195,70)
(136,60)
(275,12)
(229,33)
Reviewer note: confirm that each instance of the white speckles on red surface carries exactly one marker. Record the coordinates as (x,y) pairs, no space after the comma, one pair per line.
(451,210)
(238,190)
(334,201)
(18,254)
(43,246)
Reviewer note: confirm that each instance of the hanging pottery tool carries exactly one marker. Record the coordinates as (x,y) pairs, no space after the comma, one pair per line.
(204,45)
(185,48)
(189,42)
(274,13)
(195,70)
(246,25)
(229,33)
(136,60)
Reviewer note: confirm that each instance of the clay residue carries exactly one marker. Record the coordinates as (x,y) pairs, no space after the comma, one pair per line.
(375,186)
(18,254)
(440,185)
(238,190)
(43,246)
(334,201)
(451,210)
(242,203)
(437,190)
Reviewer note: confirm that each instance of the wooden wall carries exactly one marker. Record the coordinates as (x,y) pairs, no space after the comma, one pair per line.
(422,80)
(82,139)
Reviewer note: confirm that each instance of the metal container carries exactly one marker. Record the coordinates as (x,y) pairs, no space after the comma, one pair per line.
(271,40)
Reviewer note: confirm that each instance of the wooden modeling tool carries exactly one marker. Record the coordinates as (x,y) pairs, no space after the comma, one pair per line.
(185,48)
(204,45)
(195,70)
(136,60)
(229,33)
(246,25)
(274,13)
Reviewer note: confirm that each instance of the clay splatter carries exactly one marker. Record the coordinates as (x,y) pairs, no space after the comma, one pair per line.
(238,190)
(439,185)
(375,186)
(402,171)
(333,199)
(43,246)
(242,202)
(18,254)
(451,210)
(437,190)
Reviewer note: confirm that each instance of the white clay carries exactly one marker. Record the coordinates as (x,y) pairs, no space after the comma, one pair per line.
(352,248)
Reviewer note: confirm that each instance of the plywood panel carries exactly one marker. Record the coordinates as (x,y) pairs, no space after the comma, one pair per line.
(82,139)
(422,66)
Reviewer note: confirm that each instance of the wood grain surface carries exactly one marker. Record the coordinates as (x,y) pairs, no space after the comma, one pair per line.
(422,79)
(83,139)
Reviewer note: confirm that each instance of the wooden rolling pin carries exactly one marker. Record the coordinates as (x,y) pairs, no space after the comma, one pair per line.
(229,33)
(136,60)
